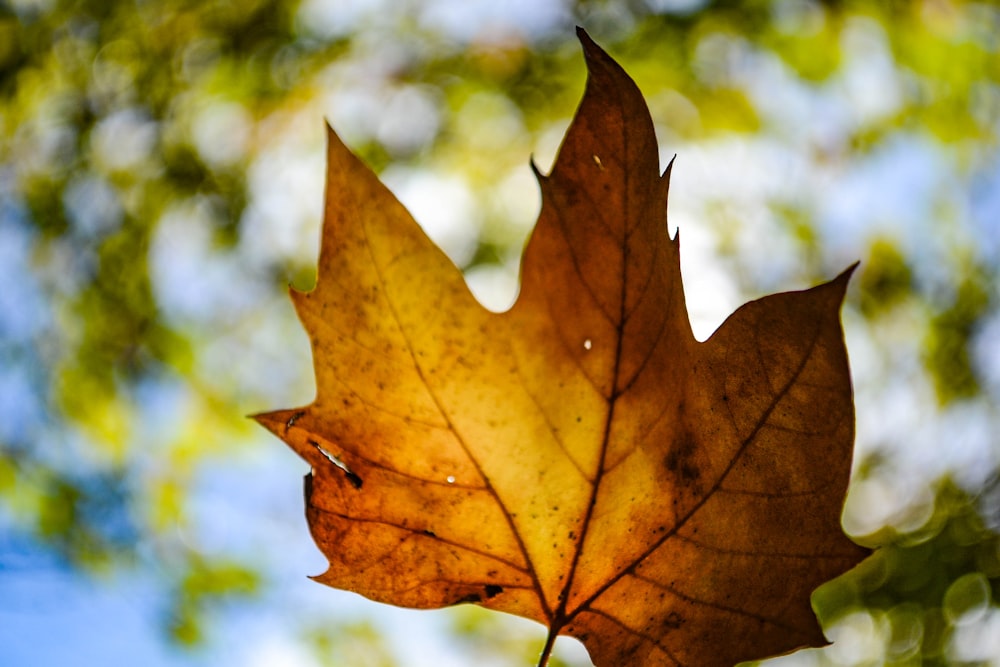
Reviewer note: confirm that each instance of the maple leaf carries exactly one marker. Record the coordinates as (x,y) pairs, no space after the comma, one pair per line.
(580,459)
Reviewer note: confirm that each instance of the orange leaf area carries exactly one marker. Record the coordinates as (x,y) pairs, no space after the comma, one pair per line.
(580,459)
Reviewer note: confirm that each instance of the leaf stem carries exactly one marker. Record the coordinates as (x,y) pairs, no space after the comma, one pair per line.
(550,641)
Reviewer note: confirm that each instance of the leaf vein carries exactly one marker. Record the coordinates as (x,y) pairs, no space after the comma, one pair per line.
(577,269)
(630,569)
(548,422)
(461,441)
(721,607)
(639,633)
(420,532)
(761,554)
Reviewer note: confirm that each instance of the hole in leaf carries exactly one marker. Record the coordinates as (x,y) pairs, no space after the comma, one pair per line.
(294,418)
(352,477)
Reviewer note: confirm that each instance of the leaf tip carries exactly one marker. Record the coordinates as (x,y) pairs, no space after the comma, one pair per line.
(670,166)
(840,282)
(331,134)
(336,150)
(278,421)
(665,180)
(323,578)
(591,51)
(846,273)
(265,419)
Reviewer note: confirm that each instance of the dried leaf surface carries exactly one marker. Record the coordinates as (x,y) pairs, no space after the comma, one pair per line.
(581,459)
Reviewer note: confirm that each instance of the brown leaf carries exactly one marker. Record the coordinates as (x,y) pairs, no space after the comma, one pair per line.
(581,459)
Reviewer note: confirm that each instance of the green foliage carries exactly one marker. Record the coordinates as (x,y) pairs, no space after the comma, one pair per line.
(886,279)
(202,584)
(352,643)
(923,583)
(950,335)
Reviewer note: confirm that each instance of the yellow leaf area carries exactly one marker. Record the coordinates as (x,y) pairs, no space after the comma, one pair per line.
(581,459)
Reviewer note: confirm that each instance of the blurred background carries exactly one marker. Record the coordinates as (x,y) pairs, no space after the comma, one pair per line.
(161,171)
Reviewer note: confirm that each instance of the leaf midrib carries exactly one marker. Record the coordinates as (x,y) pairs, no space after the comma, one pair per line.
(560,618)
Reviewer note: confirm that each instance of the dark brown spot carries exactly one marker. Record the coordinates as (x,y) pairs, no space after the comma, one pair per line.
(679,462)
(673,621)
(353,478)
(492,590)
